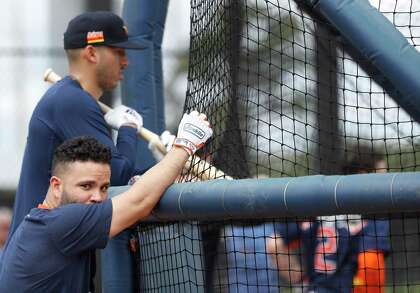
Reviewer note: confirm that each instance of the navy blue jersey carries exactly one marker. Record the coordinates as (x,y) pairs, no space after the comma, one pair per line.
(50,250)
(64,112)
(331,246)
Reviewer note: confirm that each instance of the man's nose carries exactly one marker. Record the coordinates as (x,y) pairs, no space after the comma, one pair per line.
(97,196)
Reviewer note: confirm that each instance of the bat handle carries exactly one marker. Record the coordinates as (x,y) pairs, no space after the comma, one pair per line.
(105,109)
(143,132)
(151,136)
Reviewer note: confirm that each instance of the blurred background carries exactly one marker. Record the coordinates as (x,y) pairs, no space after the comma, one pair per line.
(32,42)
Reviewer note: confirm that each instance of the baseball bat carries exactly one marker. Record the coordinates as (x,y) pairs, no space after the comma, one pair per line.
(212,172)
(52,77)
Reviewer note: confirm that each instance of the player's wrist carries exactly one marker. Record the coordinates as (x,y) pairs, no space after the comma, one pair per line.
(132,125)
(187,145)
(182,149)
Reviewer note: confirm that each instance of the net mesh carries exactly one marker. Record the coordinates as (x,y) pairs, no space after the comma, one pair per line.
(288,96)
(172,257)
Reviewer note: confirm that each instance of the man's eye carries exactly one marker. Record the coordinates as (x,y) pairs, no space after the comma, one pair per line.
(105,188)
(85,186)
(121,53)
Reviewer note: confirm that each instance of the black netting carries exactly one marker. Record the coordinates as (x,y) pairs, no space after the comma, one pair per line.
(171,256)
(287,95)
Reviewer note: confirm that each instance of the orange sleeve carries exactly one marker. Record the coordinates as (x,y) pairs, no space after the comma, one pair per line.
(370,275)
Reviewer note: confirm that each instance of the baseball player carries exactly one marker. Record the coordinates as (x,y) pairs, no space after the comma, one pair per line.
(339,251)
(50,250)
(95,44)
(332,247)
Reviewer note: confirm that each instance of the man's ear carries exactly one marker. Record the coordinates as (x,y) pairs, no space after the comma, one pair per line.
(91,54)
(56,187)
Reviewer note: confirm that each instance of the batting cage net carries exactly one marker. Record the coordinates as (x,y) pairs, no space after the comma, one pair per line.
(288,95)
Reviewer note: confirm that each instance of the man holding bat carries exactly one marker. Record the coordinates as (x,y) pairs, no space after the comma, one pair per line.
(50,250)
(95,44)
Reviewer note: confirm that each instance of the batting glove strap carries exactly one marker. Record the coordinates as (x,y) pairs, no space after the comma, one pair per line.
(186,144)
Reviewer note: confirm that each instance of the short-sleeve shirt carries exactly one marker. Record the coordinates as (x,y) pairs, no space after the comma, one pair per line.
(50,250)
(67,111)
(331,246)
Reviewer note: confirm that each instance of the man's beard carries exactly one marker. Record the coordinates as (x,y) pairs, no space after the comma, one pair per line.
(104,80)
(66,199)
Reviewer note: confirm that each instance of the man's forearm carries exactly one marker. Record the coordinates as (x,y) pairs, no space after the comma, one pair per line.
(137,202)
(158,178)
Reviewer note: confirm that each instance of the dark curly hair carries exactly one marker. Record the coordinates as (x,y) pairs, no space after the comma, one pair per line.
(82,149)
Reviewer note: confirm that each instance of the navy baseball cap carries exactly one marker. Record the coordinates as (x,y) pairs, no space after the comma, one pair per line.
(98,28)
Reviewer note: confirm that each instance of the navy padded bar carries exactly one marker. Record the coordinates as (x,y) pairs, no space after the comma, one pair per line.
(285,197)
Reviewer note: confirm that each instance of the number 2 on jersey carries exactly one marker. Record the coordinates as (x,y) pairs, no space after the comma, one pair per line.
(324,261)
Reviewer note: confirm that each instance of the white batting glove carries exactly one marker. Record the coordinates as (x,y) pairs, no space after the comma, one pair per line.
(167,139)
(123,115)
(193,131)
